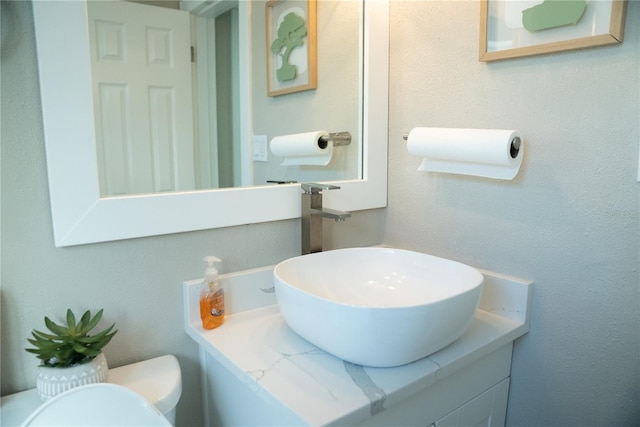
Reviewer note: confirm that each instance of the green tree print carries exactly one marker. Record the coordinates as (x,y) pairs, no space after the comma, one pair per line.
(291,34)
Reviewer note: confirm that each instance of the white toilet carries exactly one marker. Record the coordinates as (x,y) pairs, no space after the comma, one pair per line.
(97,405)
(157,380)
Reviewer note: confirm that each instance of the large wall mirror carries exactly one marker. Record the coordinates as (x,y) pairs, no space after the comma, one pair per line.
(199,167)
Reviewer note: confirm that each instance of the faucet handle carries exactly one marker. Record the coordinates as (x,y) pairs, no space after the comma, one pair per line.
(315,188)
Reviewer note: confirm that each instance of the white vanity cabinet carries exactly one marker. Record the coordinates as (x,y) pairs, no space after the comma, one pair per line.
(475,395)
(257,371)
(452,402)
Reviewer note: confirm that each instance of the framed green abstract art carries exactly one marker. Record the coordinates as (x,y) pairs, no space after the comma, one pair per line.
(515,28)
(291,46)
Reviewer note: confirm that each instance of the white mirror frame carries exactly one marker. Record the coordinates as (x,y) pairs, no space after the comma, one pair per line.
(80,216)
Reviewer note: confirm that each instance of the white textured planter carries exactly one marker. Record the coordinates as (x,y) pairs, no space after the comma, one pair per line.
(52,381)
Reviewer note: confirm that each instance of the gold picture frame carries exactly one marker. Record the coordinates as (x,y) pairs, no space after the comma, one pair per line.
(503,32)
(292,54)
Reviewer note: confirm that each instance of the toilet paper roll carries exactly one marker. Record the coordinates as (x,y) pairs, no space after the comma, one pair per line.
(303,149)
(491,153)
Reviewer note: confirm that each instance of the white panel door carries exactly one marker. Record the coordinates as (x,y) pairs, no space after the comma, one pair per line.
(141,63)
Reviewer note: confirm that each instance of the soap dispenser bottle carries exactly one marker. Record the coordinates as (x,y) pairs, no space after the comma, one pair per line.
(211,297)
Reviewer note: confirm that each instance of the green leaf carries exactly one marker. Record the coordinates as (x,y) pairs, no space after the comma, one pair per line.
(65,357)
(86,317)
(56,329)
(45,345)
(79,348)
(39,355)
(91,324)
(99,335)
(34,351)
(107,339)
(44,337)
(71,322)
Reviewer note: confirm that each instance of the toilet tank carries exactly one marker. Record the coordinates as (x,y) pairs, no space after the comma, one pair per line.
(158,380)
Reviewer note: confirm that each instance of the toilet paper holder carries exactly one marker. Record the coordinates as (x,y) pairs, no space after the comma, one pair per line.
(513,152)
(338,139)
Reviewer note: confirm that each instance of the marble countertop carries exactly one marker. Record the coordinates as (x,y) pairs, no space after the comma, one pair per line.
(257,346)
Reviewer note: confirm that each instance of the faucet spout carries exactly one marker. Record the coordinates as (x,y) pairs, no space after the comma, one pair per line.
(338,216)
(312,215)
(315,188)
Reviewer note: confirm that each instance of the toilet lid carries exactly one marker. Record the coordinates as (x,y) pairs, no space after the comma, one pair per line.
(97,405)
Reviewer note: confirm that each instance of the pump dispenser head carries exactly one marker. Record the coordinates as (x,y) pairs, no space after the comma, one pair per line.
(210,274)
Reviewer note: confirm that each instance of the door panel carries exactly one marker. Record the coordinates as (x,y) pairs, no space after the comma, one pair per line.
(141,63)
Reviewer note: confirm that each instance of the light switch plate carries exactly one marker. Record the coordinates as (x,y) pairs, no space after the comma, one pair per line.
(260,148)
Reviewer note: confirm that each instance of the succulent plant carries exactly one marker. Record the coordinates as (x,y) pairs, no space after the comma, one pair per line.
(71,344)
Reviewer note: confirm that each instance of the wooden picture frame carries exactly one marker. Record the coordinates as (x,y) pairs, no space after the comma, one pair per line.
(503,34)
(291,64)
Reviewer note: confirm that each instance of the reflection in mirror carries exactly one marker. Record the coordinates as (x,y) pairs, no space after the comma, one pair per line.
(166,96)
(166,104)
(141,69)
(81,215)
(332,107)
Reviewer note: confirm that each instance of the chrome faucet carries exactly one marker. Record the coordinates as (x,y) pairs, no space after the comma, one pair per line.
(312,214)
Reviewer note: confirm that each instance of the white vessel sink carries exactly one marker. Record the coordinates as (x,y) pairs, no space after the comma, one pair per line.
(377,307)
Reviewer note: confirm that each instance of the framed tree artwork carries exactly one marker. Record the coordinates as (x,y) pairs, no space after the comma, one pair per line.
(515,28)
(291,46)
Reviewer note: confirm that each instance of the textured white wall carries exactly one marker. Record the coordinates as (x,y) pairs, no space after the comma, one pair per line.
(570,221)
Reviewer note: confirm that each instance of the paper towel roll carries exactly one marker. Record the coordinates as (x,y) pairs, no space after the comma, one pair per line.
(303,149)
(491,153)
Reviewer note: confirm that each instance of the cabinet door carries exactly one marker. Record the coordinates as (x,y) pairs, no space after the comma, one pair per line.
(486,410)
